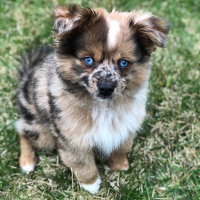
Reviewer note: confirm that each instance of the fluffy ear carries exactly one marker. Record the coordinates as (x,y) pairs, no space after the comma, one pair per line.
(71,17)
(149,30)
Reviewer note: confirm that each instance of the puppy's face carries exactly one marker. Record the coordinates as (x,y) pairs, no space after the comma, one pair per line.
(105,54)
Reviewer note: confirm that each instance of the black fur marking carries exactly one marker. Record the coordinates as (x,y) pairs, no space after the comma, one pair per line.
(43,113)
(54,110)
(131,23)
(141,52)
(108,75)
(85,80)
(77,69)
(62,142)
(54,115)
(153,19)
(57,130)
(71,87)
(27,85)
(69,45)
(29,117)
(59,145)
(33,135)
(98,74)
(77,39)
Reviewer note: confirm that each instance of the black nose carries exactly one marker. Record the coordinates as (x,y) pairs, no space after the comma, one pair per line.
(106,88)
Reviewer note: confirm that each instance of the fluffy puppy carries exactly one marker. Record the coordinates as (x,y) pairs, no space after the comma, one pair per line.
(90,92)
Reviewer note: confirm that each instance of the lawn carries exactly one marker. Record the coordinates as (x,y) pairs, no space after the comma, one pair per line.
(165,158)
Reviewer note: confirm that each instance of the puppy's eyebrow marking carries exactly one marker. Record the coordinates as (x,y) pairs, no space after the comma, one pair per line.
(113,31)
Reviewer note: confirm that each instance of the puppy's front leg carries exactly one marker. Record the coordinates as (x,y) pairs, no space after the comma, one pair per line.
(118,160)
(82,162)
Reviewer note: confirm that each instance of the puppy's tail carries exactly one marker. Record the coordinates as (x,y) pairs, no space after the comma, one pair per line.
(31,59)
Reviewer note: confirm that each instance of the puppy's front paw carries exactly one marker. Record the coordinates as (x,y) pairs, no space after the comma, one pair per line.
(118,165)
(92,188)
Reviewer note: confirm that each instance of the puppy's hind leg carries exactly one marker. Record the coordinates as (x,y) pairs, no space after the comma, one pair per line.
(32,137)
(28,159)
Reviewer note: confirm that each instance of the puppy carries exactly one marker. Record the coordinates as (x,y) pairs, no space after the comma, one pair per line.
(90,92)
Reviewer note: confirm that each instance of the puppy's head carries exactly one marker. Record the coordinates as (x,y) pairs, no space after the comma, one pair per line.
(106,55)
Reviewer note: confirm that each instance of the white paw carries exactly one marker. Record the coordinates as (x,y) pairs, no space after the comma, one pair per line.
(92,188)
(27,168)
(125,168)
(106,167)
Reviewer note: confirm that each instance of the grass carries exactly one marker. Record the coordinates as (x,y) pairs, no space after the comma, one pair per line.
(166,154)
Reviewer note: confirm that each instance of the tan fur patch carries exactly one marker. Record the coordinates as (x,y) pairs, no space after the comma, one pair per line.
(28,155)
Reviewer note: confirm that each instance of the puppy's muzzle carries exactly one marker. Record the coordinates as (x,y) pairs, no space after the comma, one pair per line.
(106,89)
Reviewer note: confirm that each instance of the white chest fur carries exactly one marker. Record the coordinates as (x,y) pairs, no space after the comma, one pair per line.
(113,124)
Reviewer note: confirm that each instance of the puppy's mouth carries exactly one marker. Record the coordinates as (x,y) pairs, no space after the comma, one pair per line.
(104,98)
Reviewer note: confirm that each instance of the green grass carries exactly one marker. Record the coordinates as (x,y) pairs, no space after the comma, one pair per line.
(164,163)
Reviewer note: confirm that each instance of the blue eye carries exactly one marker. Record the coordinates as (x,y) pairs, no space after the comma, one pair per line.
(88,61)
(123,63)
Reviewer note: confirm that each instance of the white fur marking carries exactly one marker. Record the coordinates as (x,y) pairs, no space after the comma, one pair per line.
(18,126)
(113,126)
(106,167)
(113,31)
(92,188)
(125,168)
(27,168)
